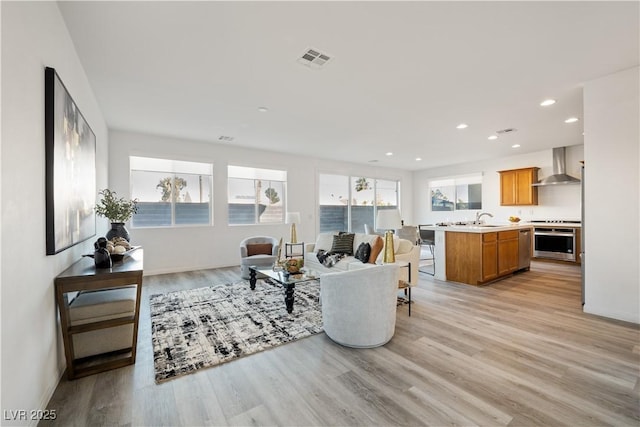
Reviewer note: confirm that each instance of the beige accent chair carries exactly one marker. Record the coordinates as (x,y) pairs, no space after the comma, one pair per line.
(359,306)
(264,258)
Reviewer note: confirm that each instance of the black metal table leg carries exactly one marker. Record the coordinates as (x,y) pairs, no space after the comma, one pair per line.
(407,290)
(252,278)
(288,299)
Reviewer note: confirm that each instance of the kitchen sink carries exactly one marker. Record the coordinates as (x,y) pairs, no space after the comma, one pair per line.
(476,225)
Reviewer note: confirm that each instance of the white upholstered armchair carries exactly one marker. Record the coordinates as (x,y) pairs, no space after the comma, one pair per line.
(359,306)
(261,251)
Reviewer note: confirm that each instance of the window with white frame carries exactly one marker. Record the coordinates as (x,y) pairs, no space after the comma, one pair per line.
(347,203)
(456,193)
(256,196)
(171,192)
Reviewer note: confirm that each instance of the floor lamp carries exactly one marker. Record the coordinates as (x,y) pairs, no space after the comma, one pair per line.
(389,220)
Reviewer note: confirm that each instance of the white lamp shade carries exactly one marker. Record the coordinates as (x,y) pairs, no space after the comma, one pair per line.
(292,218)
(388,219)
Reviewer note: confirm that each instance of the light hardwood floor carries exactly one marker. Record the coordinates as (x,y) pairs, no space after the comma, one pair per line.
(518,352)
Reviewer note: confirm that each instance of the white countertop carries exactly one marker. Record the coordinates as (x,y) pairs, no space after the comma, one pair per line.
(487,228)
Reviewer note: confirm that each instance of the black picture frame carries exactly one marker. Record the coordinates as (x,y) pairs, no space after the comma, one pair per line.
(70,168)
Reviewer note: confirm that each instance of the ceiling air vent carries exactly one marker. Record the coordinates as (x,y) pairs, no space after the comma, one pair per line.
(314,59)
(224,138)
(507,130)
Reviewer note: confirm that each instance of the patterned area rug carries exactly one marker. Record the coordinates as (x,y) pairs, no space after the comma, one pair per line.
(200,328)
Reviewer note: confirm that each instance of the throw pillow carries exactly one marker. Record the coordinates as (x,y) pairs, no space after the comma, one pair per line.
(259,249)
(376,248)
(343,244)
(363,252)
(404,246)
(328,259)
(322,255)
(324,242)
(363,238)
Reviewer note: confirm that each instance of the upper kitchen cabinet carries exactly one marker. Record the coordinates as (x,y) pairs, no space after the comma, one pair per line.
(516,187)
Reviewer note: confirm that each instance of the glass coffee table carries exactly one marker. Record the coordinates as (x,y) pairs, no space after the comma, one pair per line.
(288,281)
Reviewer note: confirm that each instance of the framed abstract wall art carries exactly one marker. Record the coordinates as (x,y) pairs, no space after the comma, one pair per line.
(70,169)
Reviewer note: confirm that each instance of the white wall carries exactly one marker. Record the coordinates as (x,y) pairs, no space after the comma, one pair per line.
(555,202)
(612,196)
(34,36)
(197,247)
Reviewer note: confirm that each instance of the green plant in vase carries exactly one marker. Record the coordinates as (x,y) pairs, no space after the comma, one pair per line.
(117,210)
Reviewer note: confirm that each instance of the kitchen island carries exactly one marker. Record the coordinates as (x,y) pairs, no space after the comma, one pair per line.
(480,254)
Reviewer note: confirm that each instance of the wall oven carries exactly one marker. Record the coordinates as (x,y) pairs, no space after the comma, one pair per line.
(555,242)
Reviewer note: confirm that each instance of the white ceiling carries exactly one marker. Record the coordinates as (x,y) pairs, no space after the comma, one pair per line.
(401,77)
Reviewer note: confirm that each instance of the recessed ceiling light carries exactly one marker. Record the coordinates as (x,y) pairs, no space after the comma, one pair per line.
(492,137)
(418,159)
(263,109)
(571,120)
(515,146)
(547,102)
(462,126)
(389,154)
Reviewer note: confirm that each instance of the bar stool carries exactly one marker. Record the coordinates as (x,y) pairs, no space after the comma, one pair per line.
(428,239)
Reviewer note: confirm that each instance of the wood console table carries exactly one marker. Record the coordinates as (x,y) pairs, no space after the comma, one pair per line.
(83,276)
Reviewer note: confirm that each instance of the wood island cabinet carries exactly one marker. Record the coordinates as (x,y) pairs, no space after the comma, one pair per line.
(507,252)
(479,258)
(516,187)
(471,257)
(489,256)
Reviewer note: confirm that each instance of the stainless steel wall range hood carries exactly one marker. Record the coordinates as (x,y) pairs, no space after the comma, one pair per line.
(559,176)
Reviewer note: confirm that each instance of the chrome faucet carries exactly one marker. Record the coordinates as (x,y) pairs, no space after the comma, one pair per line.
(480,215)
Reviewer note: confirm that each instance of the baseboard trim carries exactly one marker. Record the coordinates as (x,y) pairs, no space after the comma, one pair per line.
(157,271)
(48,393)
(631,318)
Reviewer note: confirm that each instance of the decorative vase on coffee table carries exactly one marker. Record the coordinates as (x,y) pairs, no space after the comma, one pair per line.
(118,230)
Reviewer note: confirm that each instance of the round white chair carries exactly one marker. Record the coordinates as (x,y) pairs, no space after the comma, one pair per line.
(261,251)
(359,306)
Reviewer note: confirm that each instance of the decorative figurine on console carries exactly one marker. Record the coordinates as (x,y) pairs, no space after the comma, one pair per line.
(101,256)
